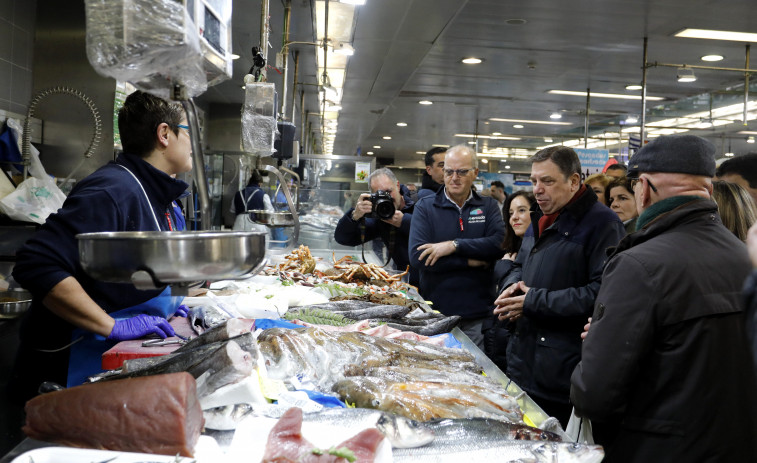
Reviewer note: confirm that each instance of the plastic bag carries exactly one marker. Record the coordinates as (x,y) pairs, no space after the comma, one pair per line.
(579,429)
(36,197)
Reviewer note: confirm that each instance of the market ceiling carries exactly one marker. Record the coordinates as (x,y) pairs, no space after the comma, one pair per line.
(407,52)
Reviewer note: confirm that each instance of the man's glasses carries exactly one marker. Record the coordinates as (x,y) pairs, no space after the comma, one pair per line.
(459,172)
(182,126)
(635,180)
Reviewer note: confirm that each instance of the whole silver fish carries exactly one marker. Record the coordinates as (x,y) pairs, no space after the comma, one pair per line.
(501,451)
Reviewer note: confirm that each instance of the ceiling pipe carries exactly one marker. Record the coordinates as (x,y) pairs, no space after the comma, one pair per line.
(285,59)
(586,118)
(746,86)
(643,122)
(294,83)
(325,68)
(264,26)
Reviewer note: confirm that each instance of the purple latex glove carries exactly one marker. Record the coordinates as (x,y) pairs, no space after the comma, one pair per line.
(140,326)
(181,311)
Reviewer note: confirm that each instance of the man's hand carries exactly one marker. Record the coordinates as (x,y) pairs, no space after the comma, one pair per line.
(586,329)
(751,241)
(396,220)
(509,304)
(362,207)
(434,251)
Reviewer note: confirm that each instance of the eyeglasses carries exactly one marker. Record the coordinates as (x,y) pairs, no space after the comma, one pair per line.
(459,172)
(185,127)
(635,180)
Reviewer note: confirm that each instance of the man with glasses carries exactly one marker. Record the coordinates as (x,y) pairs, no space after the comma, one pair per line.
(455,237)
(550,292)
(666,373)
(357,226)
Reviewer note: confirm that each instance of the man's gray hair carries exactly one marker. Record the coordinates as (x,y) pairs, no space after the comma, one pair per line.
(384,171)
(465,149)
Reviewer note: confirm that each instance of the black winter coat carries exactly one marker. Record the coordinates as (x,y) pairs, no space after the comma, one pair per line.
(666,356)
(563,269)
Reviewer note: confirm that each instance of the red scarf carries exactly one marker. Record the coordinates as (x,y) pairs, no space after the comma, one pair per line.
(548,219)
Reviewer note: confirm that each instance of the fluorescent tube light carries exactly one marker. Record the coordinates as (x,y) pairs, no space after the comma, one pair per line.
(605,95)
(525,121)
(717,35)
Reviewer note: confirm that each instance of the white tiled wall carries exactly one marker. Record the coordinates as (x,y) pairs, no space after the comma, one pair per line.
(17,19)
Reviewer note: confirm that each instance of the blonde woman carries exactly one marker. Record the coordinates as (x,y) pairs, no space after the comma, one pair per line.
(736,207)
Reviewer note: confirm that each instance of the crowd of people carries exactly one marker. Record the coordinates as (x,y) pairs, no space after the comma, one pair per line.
(616,299)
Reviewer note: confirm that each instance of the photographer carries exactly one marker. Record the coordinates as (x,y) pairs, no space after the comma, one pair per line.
(384,214)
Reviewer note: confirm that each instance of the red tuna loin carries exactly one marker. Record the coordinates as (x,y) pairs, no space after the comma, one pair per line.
(151,414)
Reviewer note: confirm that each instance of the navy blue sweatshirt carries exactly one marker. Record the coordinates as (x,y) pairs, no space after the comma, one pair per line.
(110,199)
(453,286)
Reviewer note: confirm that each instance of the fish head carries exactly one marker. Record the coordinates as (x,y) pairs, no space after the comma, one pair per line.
(568,452)
(403,432)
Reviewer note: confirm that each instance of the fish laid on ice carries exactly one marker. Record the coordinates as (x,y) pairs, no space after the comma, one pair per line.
(220,332)
(501,451)
(204,317)
(423,401)
(226,418)
(486,429)
(404,433)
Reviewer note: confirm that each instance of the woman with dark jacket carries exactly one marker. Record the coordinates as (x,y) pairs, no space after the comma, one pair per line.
(517,214)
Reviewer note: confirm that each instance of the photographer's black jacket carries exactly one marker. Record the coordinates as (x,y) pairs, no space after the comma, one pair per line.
(348,233)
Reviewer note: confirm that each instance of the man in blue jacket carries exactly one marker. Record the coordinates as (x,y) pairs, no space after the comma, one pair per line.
(455,237)
(555,279)
(356,226)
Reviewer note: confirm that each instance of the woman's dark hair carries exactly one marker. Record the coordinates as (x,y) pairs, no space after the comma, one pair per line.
(622,182)
(512,241)
(139,118)
(255,178)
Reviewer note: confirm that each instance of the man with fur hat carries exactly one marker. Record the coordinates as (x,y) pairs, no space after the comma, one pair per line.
(665,372)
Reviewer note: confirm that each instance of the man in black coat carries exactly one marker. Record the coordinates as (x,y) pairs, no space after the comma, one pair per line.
(665,373)
(550,292)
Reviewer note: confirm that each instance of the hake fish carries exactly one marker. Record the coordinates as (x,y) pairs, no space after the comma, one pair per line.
(501,451)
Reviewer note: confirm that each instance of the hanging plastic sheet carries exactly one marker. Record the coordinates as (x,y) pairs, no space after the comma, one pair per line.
(259,118)
(151,43)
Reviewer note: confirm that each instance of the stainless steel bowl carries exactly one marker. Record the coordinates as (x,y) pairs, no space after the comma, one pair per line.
(172,257)
(14,302)
(273,219)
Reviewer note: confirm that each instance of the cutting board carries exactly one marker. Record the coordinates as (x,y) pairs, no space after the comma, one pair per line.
(127,350)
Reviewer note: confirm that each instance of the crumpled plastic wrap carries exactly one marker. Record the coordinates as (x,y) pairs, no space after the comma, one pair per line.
(152,44)
(259,118)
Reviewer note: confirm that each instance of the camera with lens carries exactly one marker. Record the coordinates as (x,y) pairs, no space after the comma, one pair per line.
(382,205)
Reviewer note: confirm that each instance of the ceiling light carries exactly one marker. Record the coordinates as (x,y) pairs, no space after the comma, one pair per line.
(471,142)
(353,2)
(518,126)
(750,140)
(496,133)
(631,120)
(604,95)
(634,87)
(712,58)
(376,147)
(686,75)
(420,152)
(728,155)
(555,116)
(369,152)
(401,124)
(425,102)
(526,121)
(507,167)
(485,161)
(471,135)
(234,56)
(717,35)
(440,146)
(386,137)
(547,140)
(472,60)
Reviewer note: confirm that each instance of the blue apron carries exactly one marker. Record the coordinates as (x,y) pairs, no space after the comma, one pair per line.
(85,358)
